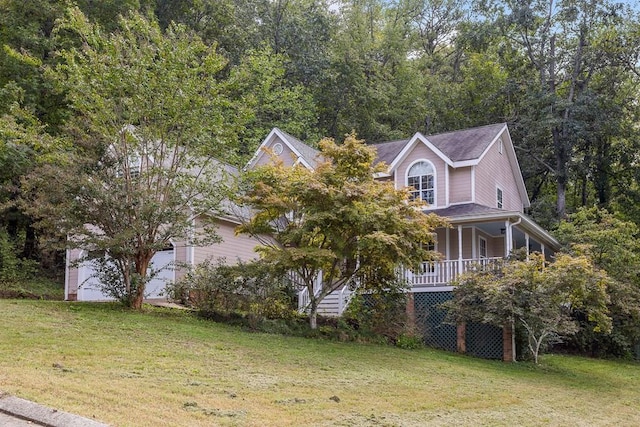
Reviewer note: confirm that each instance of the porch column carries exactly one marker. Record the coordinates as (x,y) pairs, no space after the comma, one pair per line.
(526,242)
(448,241)
(460,249)
(507,239)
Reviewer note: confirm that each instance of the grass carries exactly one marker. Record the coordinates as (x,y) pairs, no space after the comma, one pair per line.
(166,367)
(37,288)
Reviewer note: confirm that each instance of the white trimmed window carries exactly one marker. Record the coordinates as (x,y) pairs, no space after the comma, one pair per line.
(421,179)
(499,198)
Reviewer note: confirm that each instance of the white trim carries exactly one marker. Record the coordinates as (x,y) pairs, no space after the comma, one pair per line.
(448,241)
(515,169)
(434,205)
(418,137)
(460,248)
(507,238)
(486,247)
(275,132)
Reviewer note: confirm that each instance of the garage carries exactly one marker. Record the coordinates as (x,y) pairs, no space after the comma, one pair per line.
(89,288)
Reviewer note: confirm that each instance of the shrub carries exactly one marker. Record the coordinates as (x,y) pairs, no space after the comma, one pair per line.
(251,287)
(12,268)
(380,313)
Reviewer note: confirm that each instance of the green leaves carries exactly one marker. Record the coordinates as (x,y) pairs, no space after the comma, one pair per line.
(542,298)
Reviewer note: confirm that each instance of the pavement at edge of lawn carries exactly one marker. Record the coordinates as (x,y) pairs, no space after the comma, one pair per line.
(17,412)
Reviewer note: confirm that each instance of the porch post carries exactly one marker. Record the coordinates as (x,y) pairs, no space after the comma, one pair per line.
(526,242)
(507,239)
(542,249)
(448,241)
(460,249)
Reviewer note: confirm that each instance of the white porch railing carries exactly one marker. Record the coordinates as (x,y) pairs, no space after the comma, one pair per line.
(441,273)
(303,295)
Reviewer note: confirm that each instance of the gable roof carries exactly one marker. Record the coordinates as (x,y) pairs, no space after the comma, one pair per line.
(467,144)
(457,149)
(305,154)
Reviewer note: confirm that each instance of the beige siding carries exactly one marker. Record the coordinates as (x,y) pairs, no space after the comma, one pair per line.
(494,171)
(422,152)
(495,244)
(460,185)
(231,247)
(287,156)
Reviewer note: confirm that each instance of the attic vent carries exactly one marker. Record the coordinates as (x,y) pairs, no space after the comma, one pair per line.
(277,148)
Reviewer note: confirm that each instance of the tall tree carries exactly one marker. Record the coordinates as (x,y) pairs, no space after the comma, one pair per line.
(562,55)
(149,118)
(613,246)
(336,223)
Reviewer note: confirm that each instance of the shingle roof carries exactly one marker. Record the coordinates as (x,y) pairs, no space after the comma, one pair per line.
(466,210)
(309,154)
(387,151)
(466,144)
(460,145)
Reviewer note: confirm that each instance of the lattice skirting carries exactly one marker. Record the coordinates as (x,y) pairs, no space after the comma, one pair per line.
(481,340)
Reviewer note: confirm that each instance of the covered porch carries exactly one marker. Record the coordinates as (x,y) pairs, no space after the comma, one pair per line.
(479,240)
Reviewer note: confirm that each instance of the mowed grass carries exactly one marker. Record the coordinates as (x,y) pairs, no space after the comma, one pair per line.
(166,367)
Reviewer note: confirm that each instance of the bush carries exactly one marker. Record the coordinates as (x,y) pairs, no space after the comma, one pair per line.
(251,288)
(382,314)
(12,268)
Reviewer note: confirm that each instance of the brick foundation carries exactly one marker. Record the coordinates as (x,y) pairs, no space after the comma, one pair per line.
(508,349)
(462,338)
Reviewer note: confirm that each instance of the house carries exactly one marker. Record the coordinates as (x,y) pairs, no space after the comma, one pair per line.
(472,177)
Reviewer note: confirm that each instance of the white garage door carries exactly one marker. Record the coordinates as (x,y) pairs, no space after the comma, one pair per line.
(90,290)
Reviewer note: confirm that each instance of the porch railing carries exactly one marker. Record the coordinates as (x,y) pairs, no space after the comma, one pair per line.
(303,295)
(442,273)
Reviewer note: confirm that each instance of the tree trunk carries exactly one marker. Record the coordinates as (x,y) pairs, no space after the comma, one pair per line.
(142,264)
(313,317)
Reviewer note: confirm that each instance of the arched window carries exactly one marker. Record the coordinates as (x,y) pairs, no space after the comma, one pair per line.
(422,182)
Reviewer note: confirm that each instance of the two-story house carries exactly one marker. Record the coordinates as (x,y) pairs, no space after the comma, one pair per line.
(470,176)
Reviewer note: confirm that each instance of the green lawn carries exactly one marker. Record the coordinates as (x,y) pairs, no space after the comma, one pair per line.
(165,367)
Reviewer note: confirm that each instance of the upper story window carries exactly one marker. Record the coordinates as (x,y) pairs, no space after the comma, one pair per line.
(422,180)
(499,198)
